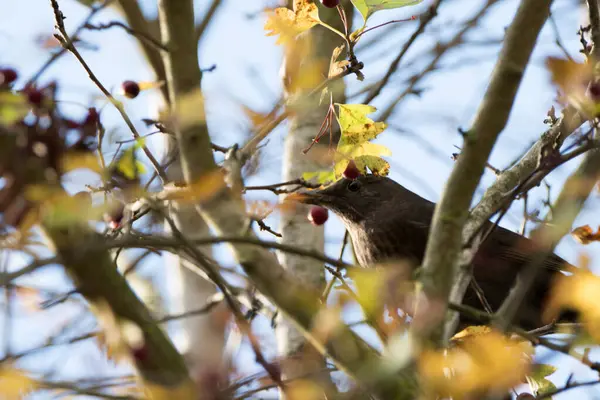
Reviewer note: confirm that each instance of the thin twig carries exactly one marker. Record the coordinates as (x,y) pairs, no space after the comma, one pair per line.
(68,44)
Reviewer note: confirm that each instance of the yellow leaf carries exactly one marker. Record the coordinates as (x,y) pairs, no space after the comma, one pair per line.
(77,160)
(482,362)
(289,23)
(302,389)
(337,67)
(471,331)
(578,292)
(365,154)
(572,79)
(370,284)
(356,126)
(185,391)
(13,107)
(15,384)
(150,85)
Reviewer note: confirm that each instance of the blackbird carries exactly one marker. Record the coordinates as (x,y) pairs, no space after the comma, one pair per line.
(388,223)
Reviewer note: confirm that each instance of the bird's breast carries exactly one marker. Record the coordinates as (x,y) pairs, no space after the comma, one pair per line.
(382,244)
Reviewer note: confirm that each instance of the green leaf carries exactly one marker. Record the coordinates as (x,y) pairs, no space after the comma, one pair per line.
(13,108)
(361,6)
(369,7)
(537,381)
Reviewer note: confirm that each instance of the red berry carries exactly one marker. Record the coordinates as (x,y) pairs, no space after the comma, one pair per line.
(7,75)
(130,89)
(92,117)
(595,91)
(330,3)
(318,215)
(114,217)
(70,124)
(34,96)
(351,171)
(140,353)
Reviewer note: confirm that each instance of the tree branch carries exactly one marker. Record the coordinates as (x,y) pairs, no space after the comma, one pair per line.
(445,239)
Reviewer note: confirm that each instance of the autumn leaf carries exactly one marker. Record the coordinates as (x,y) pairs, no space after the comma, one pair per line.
(369,7)
(482,362)
(13,107)
(585,234)
(471,332)
(577,292)
(356,132)
(337,67)
(184,390)
(290,23)
(538,383)
(117,336)
(572,79)
(15,383)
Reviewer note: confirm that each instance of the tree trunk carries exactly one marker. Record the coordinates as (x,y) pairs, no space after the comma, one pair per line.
(296,230)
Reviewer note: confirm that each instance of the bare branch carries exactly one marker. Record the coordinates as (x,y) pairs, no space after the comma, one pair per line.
(445,239)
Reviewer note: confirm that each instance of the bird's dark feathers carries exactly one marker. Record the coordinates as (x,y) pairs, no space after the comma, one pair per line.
(388,222)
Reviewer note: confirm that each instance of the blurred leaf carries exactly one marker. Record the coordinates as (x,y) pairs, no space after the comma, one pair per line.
(185,390)
(117,336)
(146,85)
(471,332)
(289,23)
(370,285)
(128,165)
(80,160)
(206,187)
(572,79)
(482,362)
(320,176)
(578,292)
(537,381)
(61,208)
(13,107)
(368,7)
(303,389)
(15,383)
(585,234)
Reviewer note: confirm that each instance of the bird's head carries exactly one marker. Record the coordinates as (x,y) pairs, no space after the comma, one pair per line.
(353,200)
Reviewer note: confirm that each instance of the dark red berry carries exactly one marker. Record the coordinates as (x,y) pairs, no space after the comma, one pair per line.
(130,89)
(595,91)
(114,217)
(7,75)
(70,124)
(140,353)
(91,117)
(34,96)
(318,215)
(351,171)
(330,3)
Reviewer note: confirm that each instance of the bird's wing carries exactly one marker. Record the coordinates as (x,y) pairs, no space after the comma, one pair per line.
(512,247)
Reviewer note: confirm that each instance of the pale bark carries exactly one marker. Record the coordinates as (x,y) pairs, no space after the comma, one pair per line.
(295,228)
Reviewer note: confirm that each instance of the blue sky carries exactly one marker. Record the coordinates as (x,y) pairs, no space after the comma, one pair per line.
(247,69)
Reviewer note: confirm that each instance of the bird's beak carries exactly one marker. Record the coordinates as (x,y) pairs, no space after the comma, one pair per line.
(318,197)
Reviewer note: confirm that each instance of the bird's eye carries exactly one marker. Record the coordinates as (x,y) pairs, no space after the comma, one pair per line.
(354,186)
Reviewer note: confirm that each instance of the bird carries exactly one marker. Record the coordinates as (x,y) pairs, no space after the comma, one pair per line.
(388,223)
